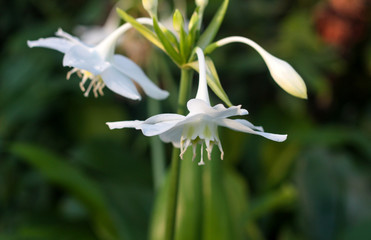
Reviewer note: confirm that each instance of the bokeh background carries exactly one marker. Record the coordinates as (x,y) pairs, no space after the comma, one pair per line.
(65,175)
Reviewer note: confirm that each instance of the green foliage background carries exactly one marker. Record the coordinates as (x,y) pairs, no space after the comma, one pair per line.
(65,175)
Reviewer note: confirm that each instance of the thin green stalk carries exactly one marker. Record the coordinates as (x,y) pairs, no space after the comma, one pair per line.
(185,83)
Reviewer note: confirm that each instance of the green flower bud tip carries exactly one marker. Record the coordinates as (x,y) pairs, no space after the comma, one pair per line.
(178,20)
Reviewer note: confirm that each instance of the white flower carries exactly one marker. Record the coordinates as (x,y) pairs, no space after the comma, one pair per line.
(101,66)
(282,72)
(201,123)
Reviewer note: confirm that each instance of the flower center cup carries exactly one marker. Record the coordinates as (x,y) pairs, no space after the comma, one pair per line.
(200,132)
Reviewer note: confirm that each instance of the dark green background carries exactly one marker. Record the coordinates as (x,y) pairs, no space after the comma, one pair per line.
(64,174)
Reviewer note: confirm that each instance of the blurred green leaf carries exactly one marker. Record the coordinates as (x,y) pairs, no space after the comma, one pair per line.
(148,34)
(266,204)
(74,181)
(212,29)
(170,50)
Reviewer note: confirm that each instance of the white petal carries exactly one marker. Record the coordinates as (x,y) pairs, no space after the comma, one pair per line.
(160,123)
(250,125)
(119,83)
(173,135)
(164,118)
(243,127)
(133,71)
(83,57)
(229,112)
(123,124)
(196,106)
(58,44)
(157,128)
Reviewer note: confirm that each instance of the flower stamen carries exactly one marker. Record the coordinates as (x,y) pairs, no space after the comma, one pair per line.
(69,73)
(202,156)
(82,83)
(86,94)
(221,150)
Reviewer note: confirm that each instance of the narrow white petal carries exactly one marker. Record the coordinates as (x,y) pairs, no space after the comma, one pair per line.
(282,72)
(202,92)
(83,57)
(133,71)
(164,118)
(124,124)
(229,112)
(59,44)
(119,83)
(250,125)
(242,127)
(157,128)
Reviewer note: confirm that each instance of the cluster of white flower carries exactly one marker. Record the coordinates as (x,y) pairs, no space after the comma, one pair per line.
(102,67)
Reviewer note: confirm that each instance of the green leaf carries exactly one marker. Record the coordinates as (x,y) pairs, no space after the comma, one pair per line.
(212,79)
(214,26)
(237,199)
(169,48)
(217,213)
(147,33)
(178,22)
(71,179)
(189,221)
(193,30)
(285,196)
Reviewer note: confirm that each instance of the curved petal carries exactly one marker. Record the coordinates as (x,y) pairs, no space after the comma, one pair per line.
(243,127)
(164,117)
(173,135)
(83,57)
(157,128)
(119,83)
(229,112)
(196,106)
(133,71)
(59,44)
(250,125)
(124,124)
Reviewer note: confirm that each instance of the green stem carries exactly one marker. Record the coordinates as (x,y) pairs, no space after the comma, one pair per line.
(185,84)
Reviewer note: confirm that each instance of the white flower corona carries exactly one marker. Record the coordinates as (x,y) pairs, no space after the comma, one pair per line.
(101,66)
(282,72)
(201,123)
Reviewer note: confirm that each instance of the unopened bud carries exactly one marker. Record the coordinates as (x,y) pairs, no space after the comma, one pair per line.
(202,3)
(150,6)
(178,20)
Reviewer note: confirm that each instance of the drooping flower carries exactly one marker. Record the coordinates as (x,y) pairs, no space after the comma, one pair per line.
(281,71)
(101,66)
(201,123)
